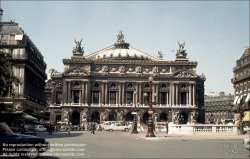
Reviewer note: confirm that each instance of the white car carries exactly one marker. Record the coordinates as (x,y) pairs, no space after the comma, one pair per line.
(246,143)
(40,128)
(117,127)
(246,129)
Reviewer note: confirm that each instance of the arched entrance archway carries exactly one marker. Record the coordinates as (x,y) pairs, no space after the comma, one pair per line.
(145,118)
(95,117)
(112,116)
(75,120)
(58,118)
(198,119)
(183,118)
(163,117)
(129,117)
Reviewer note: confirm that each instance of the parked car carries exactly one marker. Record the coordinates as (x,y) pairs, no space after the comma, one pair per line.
(40,128)
(117,127)
(29,129)
(30,145)
(246,129)
(246,143)
(63,128)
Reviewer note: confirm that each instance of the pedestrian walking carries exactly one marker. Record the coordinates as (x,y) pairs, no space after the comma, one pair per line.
(68,129)
(50,129)
(93,128)
(154,128)
(167,127)
(55,128)
(237,123)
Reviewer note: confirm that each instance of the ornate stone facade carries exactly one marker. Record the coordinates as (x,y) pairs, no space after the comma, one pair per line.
(116,78)
(241,82)
(28,65)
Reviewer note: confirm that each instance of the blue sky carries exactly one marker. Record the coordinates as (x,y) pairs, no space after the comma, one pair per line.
(215,32)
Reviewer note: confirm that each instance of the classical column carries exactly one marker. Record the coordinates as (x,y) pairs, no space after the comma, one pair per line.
(123,91)
(167,101)
(86,93)
(189,94)
(177,94)
(139,93)
(83,93)
(69,92)
(100,94)
(186,98)
(153,92)
(157,94)
(116,97)
(119,96)
(194,100)
(106,93)
(92,97)
(170,93)
(64,97)
(103,93)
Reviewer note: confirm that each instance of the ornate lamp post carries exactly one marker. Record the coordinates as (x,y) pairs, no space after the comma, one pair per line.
(134,131)
(150,132)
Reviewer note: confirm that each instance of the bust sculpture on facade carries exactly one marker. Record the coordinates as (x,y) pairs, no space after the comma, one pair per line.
(181,52)
(78,50)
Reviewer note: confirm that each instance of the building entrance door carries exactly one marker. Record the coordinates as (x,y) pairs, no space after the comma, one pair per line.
(75,118)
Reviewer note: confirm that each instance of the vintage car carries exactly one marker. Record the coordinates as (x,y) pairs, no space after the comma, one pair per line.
(117,127)
(14,144)
(29,129)
(246,144)
(40,128)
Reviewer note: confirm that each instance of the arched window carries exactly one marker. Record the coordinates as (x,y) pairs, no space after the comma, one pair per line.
(130,85)
(146,85)
(113,85)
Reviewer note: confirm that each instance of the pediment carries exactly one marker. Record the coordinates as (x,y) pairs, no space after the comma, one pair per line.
(184,74)
(75,71)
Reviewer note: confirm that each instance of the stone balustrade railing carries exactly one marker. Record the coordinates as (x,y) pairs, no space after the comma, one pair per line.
(201,129)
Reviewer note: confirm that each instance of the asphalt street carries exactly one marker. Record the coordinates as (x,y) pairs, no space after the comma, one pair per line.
(81,144)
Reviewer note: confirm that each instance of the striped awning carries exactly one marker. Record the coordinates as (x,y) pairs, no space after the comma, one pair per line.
(247,98)
(238,102)
(236,99)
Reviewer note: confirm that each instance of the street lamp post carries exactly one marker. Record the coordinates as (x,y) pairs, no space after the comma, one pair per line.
(134,131)
(150,132)
(241,111)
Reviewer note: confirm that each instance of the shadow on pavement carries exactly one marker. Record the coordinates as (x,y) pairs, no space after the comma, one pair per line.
(59,135)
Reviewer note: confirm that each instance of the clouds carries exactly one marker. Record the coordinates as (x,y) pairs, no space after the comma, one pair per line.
(101,15)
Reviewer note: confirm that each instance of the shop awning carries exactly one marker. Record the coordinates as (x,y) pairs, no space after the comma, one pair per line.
(236,99)
(247,98)
(247,117)
(25,116)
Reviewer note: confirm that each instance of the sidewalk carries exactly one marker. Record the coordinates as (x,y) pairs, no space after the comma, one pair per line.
(183,137)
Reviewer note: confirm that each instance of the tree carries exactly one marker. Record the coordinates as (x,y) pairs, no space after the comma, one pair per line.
(7,77)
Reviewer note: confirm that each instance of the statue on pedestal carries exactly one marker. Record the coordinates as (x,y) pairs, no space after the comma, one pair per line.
(181,52)
(78,49)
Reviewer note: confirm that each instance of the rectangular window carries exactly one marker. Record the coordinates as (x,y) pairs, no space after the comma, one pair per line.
(112,98)
(58,97)
(95,97)
(129,97)
(163,98)
(76,96)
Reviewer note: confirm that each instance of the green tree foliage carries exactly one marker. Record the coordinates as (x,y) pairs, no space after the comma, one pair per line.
(7,76)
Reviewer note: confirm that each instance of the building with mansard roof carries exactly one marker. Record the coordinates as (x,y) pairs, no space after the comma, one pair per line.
(28,65)
(106,86)
(241,83)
